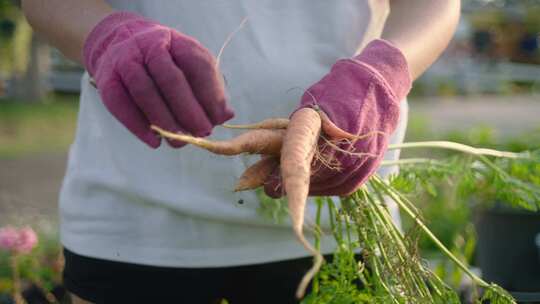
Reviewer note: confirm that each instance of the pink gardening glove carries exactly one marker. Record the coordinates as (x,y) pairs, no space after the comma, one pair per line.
(147,73)
(359,95)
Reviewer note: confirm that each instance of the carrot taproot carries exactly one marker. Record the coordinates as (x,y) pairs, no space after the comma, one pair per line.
(299,145)
(270,123)
(252,142)
(331,129)
(334,132)
(255,175)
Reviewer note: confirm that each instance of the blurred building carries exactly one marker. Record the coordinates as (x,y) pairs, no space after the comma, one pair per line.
(495,50)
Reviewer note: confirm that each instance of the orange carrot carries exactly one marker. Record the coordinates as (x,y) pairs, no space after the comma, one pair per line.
(297,145)
(298,149)
(256,174)
(335,132)
(253,142)
(270,123)
(331,129)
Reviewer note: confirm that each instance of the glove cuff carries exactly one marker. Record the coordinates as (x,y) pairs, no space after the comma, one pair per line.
(387,61)
(99,38)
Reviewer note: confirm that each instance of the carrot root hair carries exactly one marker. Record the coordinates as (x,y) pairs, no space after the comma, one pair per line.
(228,40)
(351,151)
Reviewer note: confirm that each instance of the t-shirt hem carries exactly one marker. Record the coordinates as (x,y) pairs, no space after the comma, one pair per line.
(190,258)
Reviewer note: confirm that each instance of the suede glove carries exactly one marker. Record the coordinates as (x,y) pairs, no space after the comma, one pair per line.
(360,95)
(147,73)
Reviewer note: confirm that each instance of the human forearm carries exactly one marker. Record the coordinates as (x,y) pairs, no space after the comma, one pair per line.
(145,73)
(65,24)
(421,29)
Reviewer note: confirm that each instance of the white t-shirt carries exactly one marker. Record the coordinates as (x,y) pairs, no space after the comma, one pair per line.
(123,201)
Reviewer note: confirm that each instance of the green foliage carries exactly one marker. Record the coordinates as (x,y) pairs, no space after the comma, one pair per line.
(515,182)
(392,270)
(389,271)
(462,246)
(14,34)
(496,295)
(449,213)
(275,210)
(462,184)
(340,280)
(6,8)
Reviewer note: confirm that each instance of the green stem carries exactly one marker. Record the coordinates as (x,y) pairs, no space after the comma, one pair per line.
(399,239)
(332,216)
(458,147)
(397,234)
(410,161)
(374,261)
(410,280)
(396,196)
(493,166)
(317,241)
(364,218)
(16,280)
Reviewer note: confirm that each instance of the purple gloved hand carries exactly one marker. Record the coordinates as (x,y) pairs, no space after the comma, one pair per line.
(359,95)
(147,73)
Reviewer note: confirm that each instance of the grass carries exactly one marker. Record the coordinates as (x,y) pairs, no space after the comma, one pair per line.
(30,128)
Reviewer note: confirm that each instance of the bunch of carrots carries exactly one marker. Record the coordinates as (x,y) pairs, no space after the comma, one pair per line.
(292,144)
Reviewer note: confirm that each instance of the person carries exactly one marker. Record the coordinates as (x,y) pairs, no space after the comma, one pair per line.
(144,220)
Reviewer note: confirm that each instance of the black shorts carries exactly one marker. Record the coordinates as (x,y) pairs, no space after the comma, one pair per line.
(102,281)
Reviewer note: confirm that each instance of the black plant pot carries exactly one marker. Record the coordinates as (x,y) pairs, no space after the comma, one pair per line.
(507,251)
(6,299)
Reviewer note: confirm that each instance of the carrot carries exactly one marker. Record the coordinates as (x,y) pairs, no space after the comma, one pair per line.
(256,174)
(299,145)
(253,142)
(335,132)
(270,123)
(329,128)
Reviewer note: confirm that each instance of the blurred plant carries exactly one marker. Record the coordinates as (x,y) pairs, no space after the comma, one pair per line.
(463,247)
(271,209)
(39,266)
(55,119)
(17,242)
(15,36)
(449,213)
